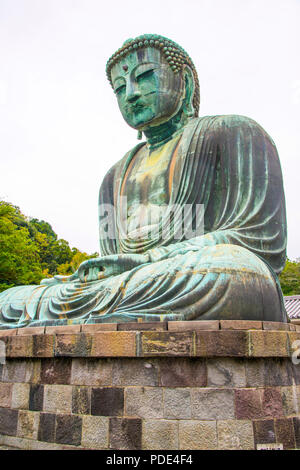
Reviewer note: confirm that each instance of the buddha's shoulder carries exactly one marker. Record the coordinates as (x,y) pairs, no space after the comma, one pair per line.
(230,122)
(116,171)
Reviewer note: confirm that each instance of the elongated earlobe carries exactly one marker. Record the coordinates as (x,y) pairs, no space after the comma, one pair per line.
(188,107)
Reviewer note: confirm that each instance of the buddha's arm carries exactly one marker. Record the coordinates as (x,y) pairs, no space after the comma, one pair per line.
(107,266)
(194,244)
(99,268)
(112,265)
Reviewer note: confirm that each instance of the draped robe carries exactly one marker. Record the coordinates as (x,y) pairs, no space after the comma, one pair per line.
(230,166)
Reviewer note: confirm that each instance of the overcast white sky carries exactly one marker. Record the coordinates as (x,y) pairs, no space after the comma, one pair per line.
(60,127)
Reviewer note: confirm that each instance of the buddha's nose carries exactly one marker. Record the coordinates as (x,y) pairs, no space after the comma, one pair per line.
(132,93)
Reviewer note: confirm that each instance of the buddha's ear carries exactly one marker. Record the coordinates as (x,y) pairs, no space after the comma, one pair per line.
(189,84)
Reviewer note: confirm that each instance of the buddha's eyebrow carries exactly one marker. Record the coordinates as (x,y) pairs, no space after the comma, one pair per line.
(134,70)
(118,78)
(143,64)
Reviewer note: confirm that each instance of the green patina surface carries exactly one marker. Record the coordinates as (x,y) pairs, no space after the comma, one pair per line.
(151,268)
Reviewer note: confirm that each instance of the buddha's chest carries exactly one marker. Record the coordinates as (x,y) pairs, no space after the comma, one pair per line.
(148,184)
(147,179)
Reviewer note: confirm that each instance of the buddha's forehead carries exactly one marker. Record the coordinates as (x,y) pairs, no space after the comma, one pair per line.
(136,58)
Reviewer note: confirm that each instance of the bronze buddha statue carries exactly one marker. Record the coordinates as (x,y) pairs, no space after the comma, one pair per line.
(192,221)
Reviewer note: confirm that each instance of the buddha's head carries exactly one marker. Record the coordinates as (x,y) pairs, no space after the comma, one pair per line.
(155,81)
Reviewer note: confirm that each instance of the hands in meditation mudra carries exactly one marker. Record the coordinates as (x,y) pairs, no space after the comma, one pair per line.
(192,221)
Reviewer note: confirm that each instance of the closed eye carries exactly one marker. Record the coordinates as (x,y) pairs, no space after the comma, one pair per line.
(145,74)
(119,89)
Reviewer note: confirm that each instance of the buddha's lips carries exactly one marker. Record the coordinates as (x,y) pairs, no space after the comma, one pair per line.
(136,107)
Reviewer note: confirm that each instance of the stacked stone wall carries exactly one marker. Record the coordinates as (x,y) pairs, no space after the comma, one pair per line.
(176,385)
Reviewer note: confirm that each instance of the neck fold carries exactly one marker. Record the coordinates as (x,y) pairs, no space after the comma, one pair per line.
(159,135)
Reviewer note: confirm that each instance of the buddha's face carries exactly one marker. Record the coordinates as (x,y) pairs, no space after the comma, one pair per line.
(148,91)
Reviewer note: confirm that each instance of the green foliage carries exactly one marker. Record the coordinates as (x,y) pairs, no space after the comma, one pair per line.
(78,257)
(19,255)
(290,278)
(30,250)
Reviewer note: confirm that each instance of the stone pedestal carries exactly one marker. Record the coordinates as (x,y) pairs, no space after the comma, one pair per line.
(176,385)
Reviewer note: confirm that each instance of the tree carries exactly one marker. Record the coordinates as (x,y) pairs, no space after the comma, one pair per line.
(19,255)
(290,278)
(31,251)
(78,258)
(43,227)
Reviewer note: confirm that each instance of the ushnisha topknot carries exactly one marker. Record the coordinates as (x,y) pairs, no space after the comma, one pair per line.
(175,55)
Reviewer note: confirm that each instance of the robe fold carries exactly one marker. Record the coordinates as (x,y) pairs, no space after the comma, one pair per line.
(224,267)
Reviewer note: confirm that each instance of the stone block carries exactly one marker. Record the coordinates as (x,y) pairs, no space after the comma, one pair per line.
(114,344)
(81,400)
(36,397)
(296,423)
(183,372)
(269,344)
(135,371)
(8,421)
(248,404)
(271,402)
(264,432)
(255,372)
(193,325)
(284,429)
(160,434)
(290,400)
(28,424)
(222,343)
(125,433)
(226,372)
(108,401)
(94,432)
(97,327)
(56,371)
(197,435)
(10,332)
(91,372)
(278,372)
(144,402)
(14,371)
(46,431)
(34,330)
(73,345)
(30,444)
(273,325)
(58,399)
(5,395)
(19,346)
(240,325)
(142,326)
(68,429)
(166,343)
(43,346)
(235,435)
(33,371)
(177,403)
(63,329)
(20,396)
(295,368)
(212,404)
